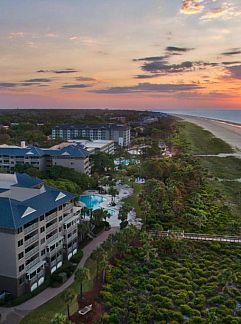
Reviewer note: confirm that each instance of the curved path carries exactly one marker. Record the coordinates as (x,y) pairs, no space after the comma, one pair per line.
(13,315)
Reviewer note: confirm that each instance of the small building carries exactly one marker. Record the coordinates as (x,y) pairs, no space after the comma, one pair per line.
(38,230)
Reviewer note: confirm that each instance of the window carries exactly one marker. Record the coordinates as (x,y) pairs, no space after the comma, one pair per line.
(20,255)
(41,218)
(43,252)
(42,241)
(21,267)
(60,218)
(20,243)
(42,229)
(20,229)
(60,229)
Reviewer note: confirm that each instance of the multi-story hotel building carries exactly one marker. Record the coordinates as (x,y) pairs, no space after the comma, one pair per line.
(72,156)
(119,133)
(38,229)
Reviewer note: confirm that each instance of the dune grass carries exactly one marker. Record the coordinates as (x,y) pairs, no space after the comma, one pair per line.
(222,167)
(202,141)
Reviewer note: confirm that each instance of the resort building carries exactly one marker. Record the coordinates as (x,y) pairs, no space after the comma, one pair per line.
(72,156)
(119,133)
(92,147)
(38,230)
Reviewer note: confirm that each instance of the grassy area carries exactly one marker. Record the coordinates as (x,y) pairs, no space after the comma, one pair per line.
(202,141)
(224,168)
(133,200)
(46,312)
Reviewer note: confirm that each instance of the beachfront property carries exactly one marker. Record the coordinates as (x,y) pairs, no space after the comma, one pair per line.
(92,147)
(73,157)
(119,133)
(38,230)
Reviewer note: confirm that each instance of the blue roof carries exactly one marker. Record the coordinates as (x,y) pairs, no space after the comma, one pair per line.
(72,150)
(12,211)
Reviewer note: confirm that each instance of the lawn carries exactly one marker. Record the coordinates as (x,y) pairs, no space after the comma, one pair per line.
(202,141)
(46,312)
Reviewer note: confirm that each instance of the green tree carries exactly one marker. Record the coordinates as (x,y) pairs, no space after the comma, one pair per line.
(68,297)
(80,275)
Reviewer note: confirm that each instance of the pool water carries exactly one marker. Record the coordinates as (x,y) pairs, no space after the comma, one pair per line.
(112,212)
(92,201)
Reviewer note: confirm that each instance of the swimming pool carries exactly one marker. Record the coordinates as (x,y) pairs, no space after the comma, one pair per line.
(113,220)
(92,201)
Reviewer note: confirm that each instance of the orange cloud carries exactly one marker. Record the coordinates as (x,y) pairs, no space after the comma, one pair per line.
(190,7)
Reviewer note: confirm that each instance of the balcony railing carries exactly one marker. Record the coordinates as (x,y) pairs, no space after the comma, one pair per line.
(31,228)
(53,237)
(32,240)
(51,216)
(31,252)
(51,227)
(33,263)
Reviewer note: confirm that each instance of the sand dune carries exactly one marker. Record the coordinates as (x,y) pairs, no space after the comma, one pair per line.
(230,133)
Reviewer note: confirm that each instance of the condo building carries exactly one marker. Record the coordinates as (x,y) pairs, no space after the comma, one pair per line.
(38,230)
(119,133)
(72,156)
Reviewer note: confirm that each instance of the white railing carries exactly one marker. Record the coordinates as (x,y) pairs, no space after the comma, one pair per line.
(31,228)
(32,239)
(197,236)
(31,252)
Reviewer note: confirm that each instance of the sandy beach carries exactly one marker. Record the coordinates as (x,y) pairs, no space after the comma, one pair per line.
(228,132)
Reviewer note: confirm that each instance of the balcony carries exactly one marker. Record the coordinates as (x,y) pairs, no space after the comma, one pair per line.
(51,227)
(32,252)
(32,240)
(53,237)
(32,264)
(31,228)
(51,216)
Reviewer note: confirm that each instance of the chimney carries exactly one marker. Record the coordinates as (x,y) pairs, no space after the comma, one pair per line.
(23,144)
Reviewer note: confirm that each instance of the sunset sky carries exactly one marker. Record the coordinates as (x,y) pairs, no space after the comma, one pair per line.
(145,54)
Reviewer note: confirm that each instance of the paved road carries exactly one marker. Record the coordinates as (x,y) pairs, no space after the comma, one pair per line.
(13,315)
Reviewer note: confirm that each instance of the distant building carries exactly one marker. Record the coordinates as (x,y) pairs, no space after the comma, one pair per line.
(119,133)
(91,146)
(38,230)
(74,157)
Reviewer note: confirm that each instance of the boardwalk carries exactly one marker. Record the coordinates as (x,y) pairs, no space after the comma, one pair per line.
(197,237)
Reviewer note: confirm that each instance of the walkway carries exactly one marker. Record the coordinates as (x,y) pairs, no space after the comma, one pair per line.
(13,315)
(197,237)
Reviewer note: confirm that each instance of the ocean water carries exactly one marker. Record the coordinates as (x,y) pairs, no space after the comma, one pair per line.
(222,114)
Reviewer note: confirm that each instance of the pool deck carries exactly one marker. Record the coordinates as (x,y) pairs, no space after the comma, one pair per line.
(124,192)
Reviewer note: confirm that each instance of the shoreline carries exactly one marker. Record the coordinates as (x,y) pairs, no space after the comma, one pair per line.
(229,132)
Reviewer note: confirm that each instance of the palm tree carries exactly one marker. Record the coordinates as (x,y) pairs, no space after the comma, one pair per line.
(80,275)
(113,192)
(68,297)
(59,318)
(97,256)
(104,264)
